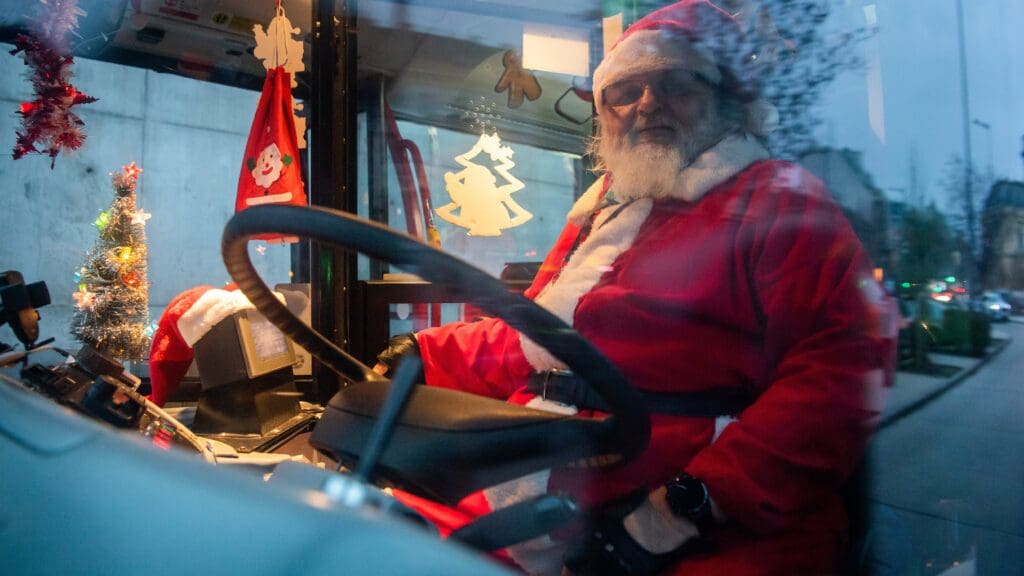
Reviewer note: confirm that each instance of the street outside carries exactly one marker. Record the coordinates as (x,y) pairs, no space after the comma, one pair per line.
(946,489)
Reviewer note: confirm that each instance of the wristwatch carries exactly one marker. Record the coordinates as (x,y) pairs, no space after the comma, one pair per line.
(688,497)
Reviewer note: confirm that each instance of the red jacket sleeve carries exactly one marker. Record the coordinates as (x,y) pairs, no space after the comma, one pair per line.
(482,357)
(485,357)
(802,437)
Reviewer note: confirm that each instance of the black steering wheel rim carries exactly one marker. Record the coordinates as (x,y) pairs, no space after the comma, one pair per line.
(629,421)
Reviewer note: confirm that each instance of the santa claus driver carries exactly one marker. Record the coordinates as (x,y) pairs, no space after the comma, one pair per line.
(714,276)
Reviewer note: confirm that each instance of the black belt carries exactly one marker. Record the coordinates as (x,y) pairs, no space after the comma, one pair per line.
(565,387)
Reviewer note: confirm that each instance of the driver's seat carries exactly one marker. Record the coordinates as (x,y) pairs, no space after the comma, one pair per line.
(448,444)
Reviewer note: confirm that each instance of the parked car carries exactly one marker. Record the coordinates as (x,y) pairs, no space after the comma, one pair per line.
(1015,300)
(995,307)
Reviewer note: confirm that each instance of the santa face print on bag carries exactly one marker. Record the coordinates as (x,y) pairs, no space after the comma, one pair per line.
(268,166)
(266,170)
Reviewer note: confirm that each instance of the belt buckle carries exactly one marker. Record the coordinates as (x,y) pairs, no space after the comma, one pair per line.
(547,377)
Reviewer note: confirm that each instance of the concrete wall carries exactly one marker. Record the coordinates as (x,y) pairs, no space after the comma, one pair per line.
(187,135)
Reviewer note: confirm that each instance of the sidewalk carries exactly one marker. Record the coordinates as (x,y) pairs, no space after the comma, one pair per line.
(912,390)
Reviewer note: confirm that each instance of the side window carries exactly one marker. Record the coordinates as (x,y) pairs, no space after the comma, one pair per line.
(496,134)
(490,213)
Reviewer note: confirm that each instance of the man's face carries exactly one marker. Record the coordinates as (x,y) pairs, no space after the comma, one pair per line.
(652,127)
(658,108)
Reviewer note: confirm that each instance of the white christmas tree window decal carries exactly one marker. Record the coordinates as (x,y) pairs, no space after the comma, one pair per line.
(485,209)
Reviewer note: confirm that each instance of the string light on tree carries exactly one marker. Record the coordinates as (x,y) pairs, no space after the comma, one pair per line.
(84,299)
(112,301)
(102,220)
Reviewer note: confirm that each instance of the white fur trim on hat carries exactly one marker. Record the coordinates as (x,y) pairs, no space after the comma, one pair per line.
(212,307)
(762,117)
(647,51)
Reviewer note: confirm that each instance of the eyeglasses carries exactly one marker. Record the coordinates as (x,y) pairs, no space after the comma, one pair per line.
(667,84)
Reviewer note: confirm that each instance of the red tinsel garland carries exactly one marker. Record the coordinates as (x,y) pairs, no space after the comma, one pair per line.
(48,121)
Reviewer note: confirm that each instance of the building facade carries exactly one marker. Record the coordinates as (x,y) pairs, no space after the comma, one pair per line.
(1003,234)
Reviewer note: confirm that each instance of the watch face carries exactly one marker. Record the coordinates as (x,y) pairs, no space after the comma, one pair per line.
(687,495)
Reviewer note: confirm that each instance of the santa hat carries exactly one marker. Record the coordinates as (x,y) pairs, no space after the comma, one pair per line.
(693,35)
(187,318)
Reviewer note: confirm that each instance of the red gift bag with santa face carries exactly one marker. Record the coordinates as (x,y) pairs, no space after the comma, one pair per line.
(270,169)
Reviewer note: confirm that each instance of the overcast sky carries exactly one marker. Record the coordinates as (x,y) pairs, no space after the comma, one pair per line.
(918,108)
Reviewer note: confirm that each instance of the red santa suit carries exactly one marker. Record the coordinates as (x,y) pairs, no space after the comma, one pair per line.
(748,276)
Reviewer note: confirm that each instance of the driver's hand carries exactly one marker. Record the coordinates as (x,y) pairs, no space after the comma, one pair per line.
(398,346)
(643,538)
(655,528)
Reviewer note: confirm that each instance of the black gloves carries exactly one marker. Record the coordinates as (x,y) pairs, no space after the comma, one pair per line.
(398,346)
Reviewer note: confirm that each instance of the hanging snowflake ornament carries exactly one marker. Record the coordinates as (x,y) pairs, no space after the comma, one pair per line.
(47,123)
(280,46)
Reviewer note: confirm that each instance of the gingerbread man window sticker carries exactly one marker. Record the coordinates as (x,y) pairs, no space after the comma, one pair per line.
(484,207)
(519,81)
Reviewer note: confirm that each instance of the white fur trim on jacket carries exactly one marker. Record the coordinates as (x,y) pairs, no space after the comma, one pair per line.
(540,555)
(607,240)
(716,165)
(587,203)
(212,307)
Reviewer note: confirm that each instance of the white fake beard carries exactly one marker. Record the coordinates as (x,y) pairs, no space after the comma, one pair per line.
(649,170)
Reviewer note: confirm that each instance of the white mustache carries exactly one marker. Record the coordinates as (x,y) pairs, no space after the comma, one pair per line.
(641,126)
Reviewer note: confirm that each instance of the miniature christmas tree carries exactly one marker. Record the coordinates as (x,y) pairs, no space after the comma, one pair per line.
(112,300)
